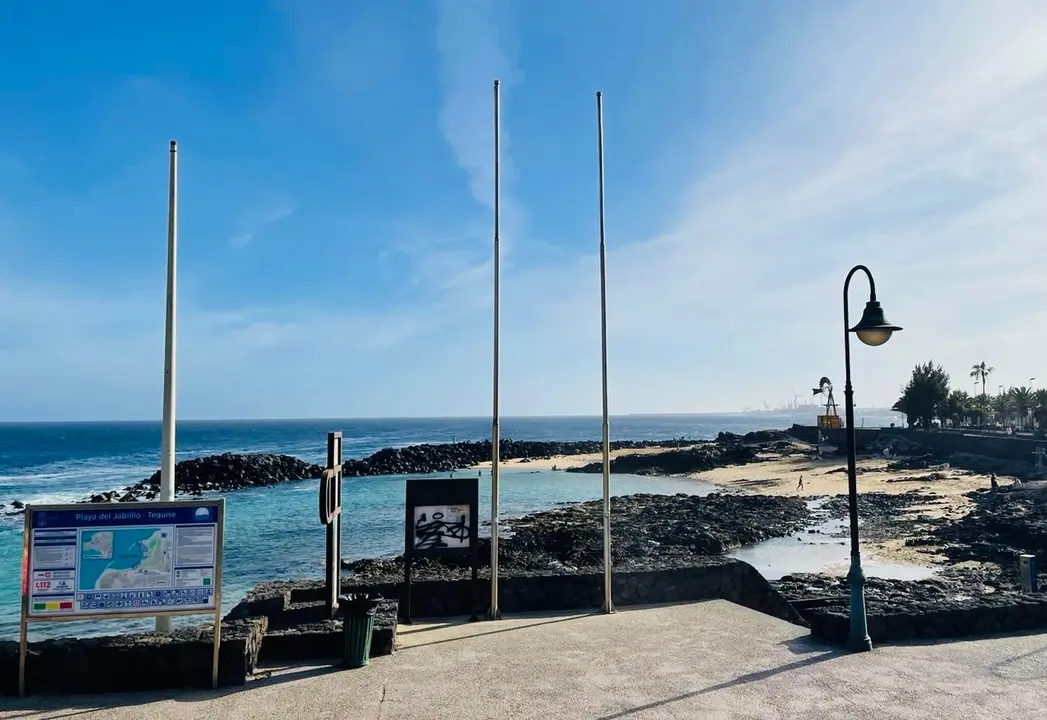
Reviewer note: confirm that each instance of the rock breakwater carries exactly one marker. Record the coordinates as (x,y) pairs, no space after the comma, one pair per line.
(726,449)
(447,457)
(229,471)
(237,471)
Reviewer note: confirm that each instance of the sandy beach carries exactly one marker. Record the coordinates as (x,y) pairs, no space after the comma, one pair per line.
(562,462)
(781,476)
(777,475)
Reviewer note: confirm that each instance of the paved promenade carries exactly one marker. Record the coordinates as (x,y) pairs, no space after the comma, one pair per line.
(703,660)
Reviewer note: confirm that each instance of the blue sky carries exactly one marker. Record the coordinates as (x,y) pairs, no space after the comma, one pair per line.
(335,215)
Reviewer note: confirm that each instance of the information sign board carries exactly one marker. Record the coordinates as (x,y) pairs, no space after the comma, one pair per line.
(100,561)
(104,560)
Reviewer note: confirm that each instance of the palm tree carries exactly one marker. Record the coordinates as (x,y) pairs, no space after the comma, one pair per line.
(981,373)
(1039,412)
(1003,407)
(980,404)
(1023,403)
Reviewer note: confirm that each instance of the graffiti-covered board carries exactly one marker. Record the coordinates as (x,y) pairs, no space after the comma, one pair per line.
(441,516)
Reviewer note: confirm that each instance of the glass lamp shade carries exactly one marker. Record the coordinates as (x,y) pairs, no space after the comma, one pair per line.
(874,329)
(874,336)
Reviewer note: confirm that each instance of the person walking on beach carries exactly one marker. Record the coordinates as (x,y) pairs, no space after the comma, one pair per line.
(992,481)
(799,485)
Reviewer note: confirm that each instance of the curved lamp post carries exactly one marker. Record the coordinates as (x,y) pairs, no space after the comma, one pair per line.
(873,329)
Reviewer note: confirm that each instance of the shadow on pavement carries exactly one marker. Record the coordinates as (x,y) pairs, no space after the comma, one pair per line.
(498,631)
(743,680)
(84,706)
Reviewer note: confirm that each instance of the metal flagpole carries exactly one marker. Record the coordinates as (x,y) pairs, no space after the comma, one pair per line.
(167,442)
(493,613)
(608,603)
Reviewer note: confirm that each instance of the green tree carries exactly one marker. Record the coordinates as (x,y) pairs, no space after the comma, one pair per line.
(926,396)
(960,407)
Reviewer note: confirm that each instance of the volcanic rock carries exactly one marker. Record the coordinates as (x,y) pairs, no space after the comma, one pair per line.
(645,528)
(447,457)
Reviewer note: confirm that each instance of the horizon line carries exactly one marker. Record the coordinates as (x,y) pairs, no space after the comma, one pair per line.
(413,417)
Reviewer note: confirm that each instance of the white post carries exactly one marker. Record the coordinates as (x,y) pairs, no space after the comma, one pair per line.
(493,613)
(608,603)
(167,442)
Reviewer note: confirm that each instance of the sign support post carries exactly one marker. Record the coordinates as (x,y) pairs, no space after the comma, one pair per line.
(331,518)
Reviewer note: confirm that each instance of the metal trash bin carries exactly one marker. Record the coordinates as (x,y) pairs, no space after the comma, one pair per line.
(1027,573)
(357,625)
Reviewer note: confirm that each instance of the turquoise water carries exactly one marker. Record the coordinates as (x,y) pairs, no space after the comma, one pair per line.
(274,533)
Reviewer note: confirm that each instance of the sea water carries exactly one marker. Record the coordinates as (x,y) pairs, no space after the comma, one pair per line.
(274,533)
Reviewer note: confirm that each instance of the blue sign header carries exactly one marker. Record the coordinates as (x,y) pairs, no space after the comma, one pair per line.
(113,514)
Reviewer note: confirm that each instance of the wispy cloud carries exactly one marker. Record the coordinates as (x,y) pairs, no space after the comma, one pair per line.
(471,58)
(924,164)
(87,355)
(471,40)
(257,220)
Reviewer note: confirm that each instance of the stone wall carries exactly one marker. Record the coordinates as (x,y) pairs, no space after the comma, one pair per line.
(134,662)
(716,577)
(838,437)
(277,623)
(297,626)
(950,620)
(944,442)
(947,442)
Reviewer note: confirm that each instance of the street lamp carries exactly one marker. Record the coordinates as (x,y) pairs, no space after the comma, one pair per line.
(873,329)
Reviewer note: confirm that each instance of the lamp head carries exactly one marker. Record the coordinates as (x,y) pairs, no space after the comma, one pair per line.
(874,329)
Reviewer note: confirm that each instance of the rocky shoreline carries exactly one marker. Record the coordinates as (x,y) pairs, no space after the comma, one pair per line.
(655,531)
(663,530)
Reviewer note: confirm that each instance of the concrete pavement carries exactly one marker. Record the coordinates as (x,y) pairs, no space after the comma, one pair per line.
(702,660)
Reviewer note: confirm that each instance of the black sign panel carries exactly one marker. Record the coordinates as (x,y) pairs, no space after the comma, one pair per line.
(441,517)
(441,520)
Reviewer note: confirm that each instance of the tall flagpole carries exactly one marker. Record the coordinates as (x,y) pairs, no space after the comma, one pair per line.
(167,442)
(608,603)
(493,612)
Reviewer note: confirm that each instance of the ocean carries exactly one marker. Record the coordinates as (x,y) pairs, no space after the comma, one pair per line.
(273,533)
